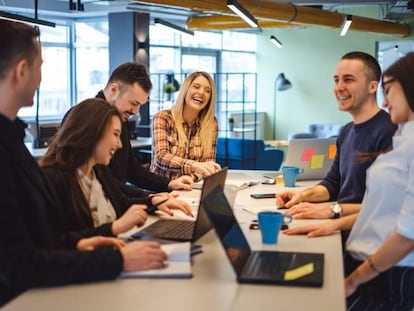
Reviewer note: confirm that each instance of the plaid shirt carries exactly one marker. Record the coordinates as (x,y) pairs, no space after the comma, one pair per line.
(168,158)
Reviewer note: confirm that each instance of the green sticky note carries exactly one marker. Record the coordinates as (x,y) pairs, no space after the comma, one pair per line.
(299,272)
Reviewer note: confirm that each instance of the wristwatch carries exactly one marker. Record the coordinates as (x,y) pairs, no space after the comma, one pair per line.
(336,210)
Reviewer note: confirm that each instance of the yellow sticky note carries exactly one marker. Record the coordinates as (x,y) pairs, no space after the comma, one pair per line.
(299,272)
(317,161)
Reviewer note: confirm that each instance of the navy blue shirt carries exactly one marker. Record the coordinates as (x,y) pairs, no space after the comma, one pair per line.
(345,181)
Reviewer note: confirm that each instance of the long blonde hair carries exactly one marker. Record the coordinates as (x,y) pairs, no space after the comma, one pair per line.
(206,116)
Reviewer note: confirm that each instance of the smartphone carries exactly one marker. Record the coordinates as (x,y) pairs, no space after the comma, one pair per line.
(263,195)
(269,181)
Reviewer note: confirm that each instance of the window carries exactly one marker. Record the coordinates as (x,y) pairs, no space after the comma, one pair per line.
(226,56)
(54,90)
(92,55)
(64,84)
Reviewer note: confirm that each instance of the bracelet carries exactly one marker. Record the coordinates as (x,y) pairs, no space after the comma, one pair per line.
(372,266)
(161,202)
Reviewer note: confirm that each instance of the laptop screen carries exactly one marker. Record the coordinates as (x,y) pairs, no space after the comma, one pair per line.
(210,182)
(227,228)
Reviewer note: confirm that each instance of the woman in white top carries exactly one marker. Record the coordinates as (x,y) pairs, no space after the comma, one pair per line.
(379,259)
(76,165)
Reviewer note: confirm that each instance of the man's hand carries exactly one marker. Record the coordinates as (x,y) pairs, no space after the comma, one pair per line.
(89,244)
(307,210)
(184,182)
(288,198)
(143,255)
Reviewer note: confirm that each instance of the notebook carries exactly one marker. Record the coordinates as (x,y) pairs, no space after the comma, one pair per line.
(260,267)
(315,156)
(186,230)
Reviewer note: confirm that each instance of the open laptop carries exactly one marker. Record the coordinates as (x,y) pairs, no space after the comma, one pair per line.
(259,267)
(187,230)
(314,155)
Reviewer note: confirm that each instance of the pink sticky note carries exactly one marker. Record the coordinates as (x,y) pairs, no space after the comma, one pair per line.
(307,154)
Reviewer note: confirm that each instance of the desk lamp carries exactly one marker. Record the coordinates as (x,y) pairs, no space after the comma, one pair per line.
(282,84)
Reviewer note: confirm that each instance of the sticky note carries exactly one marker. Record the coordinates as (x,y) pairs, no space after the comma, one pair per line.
(307,154)
(317,161)
(298,272)
(331,151)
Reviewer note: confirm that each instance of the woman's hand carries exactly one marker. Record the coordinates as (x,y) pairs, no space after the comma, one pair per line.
(205,168)
(350,285)
(134,216)
(89,244)
(322,229)
(184,182)
(170,202)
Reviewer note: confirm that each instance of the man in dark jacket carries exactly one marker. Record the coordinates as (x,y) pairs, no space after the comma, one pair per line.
(36,250)
(128,89)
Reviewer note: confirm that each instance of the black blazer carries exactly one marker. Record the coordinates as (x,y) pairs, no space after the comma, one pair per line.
(126,168)
(76,208)
(36,248)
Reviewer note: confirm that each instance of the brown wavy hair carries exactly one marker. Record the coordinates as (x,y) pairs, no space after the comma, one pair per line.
(76,139)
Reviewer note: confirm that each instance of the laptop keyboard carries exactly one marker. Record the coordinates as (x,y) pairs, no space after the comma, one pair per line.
(264,264)
(171,229)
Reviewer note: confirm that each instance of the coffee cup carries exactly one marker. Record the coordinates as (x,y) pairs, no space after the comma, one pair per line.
(289,175)
(270,223)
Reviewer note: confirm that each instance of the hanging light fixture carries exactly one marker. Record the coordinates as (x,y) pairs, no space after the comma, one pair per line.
(238,9)
(173,26)
(346,24)
(276,42)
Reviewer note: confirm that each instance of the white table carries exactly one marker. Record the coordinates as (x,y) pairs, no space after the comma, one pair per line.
(213,286)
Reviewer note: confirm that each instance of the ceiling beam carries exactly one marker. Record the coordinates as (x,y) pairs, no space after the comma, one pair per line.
(222,22)
(288,12)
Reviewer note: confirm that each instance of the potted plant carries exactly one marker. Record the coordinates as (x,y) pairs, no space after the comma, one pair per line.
(170,86)
(231,123)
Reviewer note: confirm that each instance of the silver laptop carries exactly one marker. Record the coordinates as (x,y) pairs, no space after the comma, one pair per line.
(314,155)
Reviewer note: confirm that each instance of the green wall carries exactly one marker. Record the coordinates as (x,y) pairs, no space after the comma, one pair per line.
(308,59)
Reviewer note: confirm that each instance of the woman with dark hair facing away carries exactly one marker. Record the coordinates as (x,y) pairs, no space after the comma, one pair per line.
(185,136)
(76,165)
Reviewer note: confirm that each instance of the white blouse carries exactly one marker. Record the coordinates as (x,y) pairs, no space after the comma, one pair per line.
(101,208)
(388,203)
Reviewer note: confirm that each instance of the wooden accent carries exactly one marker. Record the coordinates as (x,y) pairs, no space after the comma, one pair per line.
(230,22)
(288,12)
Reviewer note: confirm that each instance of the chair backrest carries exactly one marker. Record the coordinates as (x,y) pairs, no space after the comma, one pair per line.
(237,153)
(325,130)
(301,135)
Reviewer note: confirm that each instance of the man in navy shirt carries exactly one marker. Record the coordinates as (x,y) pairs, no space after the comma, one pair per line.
(356,81)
